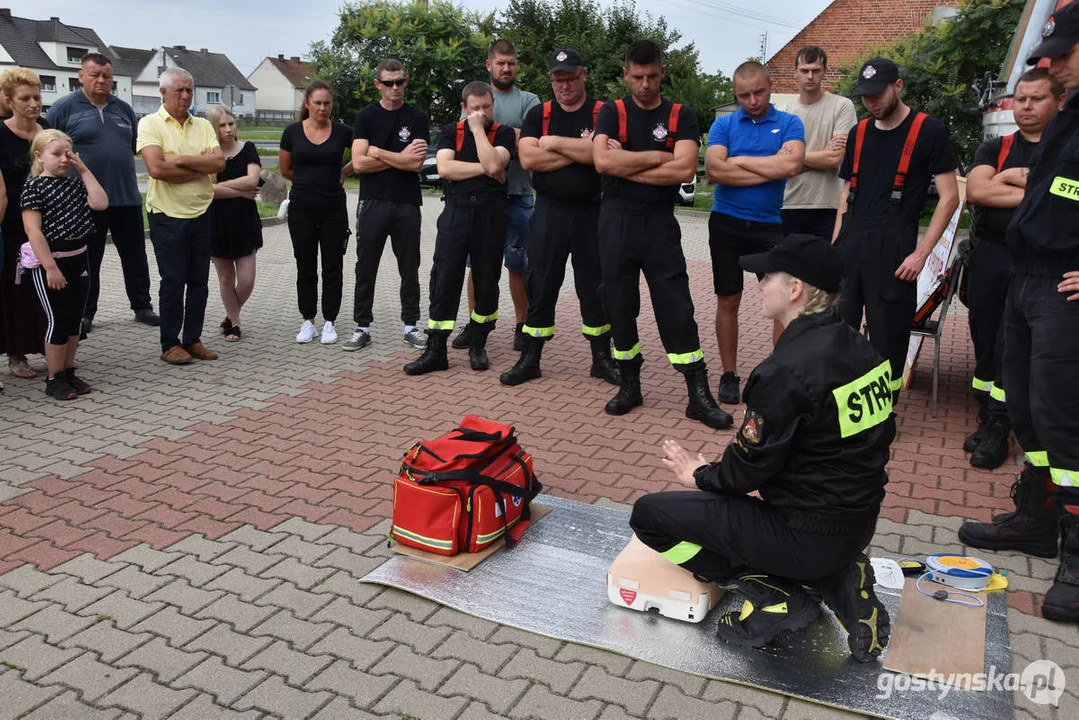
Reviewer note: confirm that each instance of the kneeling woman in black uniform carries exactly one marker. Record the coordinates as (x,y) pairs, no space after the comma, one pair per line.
(814,443)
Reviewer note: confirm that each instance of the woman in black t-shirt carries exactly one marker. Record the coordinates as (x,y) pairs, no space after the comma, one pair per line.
(312,154)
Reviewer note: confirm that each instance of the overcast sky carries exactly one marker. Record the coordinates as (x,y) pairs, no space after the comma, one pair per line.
(726,32)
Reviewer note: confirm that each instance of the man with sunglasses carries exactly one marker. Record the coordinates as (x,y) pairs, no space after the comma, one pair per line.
(388,148)
(556,146)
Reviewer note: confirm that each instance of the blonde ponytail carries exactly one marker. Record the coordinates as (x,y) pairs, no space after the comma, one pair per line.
(41,140)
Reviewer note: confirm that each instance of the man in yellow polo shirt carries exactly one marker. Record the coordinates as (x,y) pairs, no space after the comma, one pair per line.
(180,152)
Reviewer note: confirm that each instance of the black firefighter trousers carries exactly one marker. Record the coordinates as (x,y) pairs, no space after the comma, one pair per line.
(989,273)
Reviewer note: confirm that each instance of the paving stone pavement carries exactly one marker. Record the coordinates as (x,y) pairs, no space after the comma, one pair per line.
(187,542)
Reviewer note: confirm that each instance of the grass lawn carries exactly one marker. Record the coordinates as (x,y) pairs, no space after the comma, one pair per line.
(248,129)
(265,211)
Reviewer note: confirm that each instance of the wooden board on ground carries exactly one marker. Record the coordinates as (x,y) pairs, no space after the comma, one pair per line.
(931,636)
(465,561)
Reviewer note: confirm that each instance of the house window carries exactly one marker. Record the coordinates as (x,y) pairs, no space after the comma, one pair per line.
(74,84)
(213,97)
(48,83)
(74,54)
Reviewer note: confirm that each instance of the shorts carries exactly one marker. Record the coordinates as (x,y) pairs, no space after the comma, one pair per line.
(811,221)
(729,238)
(518,215)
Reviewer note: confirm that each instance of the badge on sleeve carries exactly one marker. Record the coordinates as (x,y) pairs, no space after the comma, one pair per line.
(752,432)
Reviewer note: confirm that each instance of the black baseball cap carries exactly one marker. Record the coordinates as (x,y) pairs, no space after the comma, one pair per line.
(807,257)
(565,60)
(875,76)
(1059,35)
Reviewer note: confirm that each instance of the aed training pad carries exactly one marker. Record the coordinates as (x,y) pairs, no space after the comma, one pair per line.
(553,584)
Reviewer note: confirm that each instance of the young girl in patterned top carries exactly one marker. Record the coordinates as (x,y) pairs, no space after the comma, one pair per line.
(56,215)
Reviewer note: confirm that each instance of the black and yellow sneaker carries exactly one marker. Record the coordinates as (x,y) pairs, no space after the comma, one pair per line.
(849,594)
(772,606)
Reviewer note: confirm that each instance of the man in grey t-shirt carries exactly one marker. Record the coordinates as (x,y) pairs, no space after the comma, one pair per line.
(511,106)
(102,128)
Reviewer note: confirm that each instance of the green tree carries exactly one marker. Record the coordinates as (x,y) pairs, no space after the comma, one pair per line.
(442,46)
(940,64)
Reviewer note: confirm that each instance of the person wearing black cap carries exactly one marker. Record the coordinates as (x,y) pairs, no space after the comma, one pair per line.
(889,162)
(645,147)
(556,146)
(813,443)
(1041,341)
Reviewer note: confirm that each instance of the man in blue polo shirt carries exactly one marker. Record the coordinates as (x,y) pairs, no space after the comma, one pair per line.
(750,155)
(102,129)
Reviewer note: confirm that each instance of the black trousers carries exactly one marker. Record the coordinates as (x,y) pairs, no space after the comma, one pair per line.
(129,239)
(182,248)
(375,220)
(313,232)
(873,248)
(635,239)
(1041,365)
(468,226)
(811,221)
(989,273)
(63,308)
(718,536)
(559,230)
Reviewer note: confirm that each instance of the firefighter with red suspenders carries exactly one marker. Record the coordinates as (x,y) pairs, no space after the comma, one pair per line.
(556,146)
(889,163)
(645,147)
(996,185)
(472,157)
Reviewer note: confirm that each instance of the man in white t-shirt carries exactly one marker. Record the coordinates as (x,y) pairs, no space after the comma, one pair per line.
(812,196)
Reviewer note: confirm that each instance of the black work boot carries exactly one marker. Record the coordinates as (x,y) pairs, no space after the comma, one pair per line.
(603,365)
(528,366)
(629,391)
(702,406)
(992,449)
(477,351)
(1062,601)
(772,605)
(1018,491)
(519,337)
(1032,529)
(464,338)
(849,594)
(433,356)
(975,438)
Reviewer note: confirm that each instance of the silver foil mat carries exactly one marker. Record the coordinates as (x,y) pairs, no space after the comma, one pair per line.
(554,584)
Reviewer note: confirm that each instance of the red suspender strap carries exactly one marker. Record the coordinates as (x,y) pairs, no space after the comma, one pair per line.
(908,152)
(491,133)
(859,140)
(546,118)
(672,124)
(620,105)
(595,113)
(460,135)
(1005,150)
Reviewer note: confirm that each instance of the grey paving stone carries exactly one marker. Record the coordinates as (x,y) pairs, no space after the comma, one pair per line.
(361,688)
(300,634)
(108,642)
(36,658)
(362,653)
(124,611)
(296,547)
(560,677)
(616,665)
(301,603)
(91,678)
(411,701)
(164,662)
(241,615)
(342,559)
(151,700)
(341,709)
(25,580)
(280,659)
(298,526)
(748,712)
(407,664)
(72,594)
(539,702)
(55,624)
(769,703)
(234,647)
(476,627)
(196,572)
(545,647)
(498,694)
(204,708)
(18,696)
(400,629)
(673,704)
(487,656)
(181,594)
(67,706)
(197,545)
(414,606)
(801,710)
(247,587)
(247,559)
(274,696)
(224,683)
(135,582)
(178,629)
(86,567)
(355,542)
(689,684)
(634,695)
(13,608)
(9,638)
(343,583)
(252,537)
(359,620)
(145,557)
(478,711)
(297,573)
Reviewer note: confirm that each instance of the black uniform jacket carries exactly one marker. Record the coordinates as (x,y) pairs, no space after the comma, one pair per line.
(1045,227)
(817,428)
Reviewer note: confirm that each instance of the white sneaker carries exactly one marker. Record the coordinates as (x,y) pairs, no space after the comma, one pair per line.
(329,333)
(307,332)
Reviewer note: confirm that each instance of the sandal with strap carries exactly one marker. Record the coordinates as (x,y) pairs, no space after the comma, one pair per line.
(226,325)
(233,334)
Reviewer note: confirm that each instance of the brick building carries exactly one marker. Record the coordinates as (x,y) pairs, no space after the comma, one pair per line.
(846,29)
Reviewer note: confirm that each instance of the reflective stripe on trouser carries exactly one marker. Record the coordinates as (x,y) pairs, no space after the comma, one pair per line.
(558,232)
(988,274)
(1041,352)
(634,240)
(872,249)
(467,227)
(441,325)
(538,332)
(633,352)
